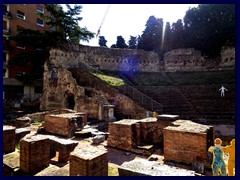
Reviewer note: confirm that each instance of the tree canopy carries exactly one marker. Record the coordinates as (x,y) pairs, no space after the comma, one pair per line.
(102,41)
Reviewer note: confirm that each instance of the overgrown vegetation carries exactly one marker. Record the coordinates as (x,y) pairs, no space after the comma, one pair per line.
(113,81)
(37,123)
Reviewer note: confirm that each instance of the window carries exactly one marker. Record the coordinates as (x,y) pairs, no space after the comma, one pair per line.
(4,73)
(40,9)
(5,28)
(21,15)
(4,57)
(40,22)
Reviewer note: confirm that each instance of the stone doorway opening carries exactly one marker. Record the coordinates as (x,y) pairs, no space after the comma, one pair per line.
(70,101)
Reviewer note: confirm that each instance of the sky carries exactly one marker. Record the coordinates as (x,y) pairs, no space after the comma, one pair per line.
(126,19)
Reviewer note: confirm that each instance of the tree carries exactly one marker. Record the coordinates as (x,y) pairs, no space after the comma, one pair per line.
(113,46)
(132,43)
(210,26)
(121,42)
(102,41)
(167,39)
(151,39)
(64,28)
(178,35)
(65,24)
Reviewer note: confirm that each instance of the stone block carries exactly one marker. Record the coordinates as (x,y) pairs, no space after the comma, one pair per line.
(187,142)
(9,139)
(63,146)
(167,117)
(141,167)
(20,133)
(34,154)
(87,160)
(63,124)
(22,122)
(124,134)
(151,130)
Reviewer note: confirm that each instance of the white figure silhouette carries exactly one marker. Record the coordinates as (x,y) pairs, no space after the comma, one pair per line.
(223,89)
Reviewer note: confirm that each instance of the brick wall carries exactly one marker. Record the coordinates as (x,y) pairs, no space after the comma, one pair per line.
(124,134)
(8,139)
(34,154)
(187,142)
(87,160)
(63,124)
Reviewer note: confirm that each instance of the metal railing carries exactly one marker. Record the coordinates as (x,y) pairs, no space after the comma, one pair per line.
(142,99)
(128,90)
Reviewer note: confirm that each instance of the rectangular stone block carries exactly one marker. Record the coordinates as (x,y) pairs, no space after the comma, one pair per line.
(9,139)
(152,130)
(34,154)
(63,124)
(63,146)
(187,142)
(88,161)
(140,167)
(20,133)
(124,134)
(167,117)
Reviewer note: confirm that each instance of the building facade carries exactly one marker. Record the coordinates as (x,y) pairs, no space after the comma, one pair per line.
(17,16)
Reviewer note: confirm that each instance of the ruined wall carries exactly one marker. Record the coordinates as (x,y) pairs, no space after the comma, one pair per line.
(106,58)
(58,86)
(84,90)
(183,60)
(227,57)
(190,59)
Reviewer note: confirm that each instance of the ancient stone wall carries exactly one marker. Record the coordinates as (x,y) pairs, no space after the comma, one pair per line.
(77,89)
(183,60)
(227,57)
(106,58)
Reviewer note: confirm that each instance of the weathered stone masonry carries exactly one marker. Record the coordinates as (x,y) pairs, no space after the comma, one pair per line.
(66,85)
(106,58)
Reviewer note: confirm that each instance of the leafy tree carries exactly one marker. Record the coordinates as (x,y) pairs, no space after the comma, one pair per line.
(178,39)
(64,28)
(65,24)
(102,41)
(113,46)
(121,42)
(151,38)
(132,43)
(210,26)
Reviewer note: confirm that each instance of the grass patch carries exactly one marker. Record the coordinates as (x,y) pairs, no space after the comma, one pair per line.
(18,146)
(112,170)
(113,81)
(37,123)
